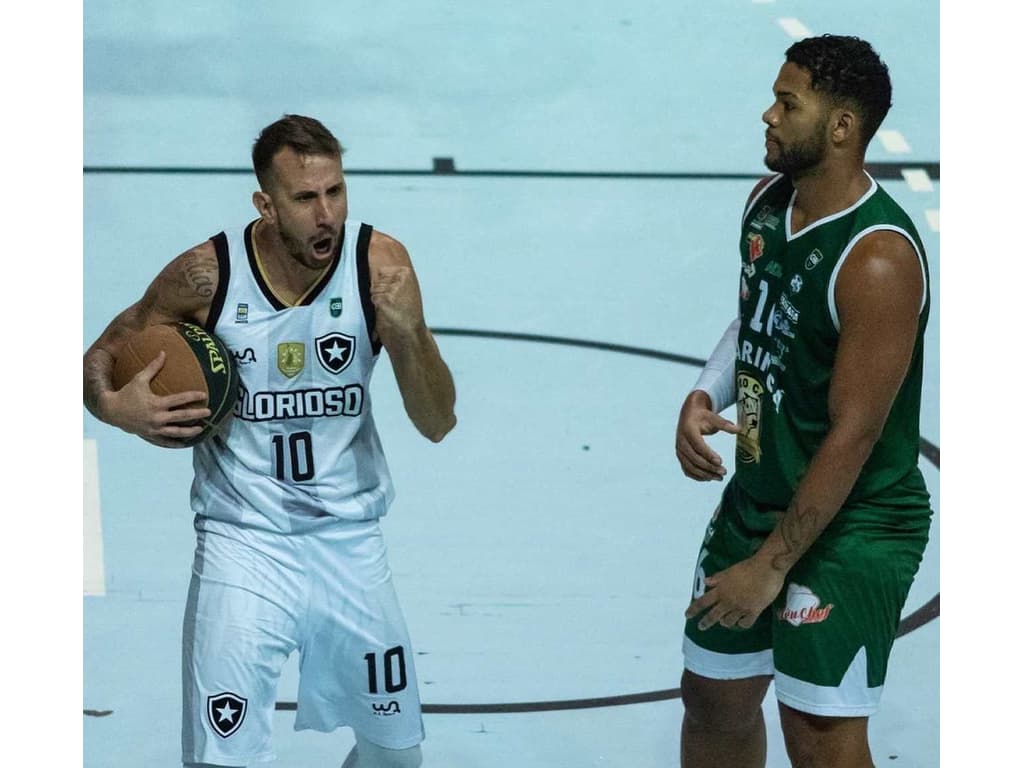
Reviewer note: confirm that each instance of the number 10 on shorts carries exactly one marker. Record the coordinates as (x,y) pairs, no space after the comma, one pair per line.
(394,670)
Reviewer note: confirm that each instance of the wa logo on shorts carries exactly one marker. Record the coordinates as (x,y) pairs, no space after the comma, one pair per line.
(385,710)
(226,711)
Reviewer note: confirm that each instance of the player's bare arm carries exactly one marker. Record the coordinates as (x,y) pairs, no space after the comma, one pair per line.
(183,291)
(428,391)
(878,296)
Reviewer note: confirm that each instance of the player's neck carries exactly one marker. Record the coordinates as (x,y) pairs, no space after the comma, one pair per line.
(825,191)
(289,279)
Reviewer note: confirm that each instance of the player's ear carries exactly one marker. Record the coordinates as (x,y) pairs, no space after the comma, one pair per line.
(264,205)
(844,122)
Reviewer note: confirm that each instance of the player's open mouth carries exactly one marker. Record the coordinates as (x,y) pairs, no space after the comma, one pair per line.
(323,247)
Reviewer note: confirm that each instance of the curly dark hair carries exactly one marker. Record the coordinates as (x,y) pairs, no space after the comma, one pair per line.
(305,135)
(849,71)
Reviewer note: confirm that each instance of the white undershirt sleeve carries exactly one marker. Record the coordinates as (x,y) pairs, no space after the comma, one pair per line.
(718,378)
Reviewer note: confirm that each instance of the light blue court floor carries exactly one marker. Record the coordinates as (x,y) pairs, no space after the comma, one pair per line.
(543,552)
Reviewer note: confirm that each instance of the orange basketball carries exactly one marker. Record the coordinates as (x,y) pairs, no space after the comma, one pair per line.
(196,361)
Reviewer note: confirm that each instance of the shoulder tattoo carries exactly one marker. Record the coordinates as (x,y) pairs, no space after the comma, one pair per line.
(199,272)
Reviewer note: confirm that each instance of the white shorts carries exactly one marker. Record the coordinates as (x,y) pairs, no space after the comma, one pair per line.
(257,596)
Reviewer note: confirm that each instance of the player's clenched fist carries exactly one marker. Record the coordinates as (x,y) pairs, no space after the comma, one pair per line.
(396,297)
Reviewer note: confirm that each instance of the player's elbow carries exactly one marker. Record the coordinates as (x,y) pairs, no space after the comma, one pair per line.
(436,432)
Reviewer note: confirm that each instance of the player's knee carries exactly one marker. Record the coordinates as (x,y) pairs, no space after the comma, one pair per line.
(374,756)
(816,741)
(722,705)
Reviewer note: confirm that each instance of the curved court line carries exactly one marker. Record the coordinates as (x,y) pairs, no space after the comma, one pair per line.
(908,624)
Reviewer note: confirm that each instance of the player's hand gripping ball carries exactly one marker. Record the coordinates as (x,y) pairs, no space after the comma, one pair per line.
(196,361)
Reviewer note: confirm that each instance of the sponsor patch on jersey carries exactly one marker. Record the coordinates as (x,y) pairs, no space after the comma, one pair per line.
(803,607)
(765,218)
(755,246)
(291,357)
(813,259)
(335,306)
(242,313)
(245,357)
(335,351)
(748,405)
(226,711)
(385,710)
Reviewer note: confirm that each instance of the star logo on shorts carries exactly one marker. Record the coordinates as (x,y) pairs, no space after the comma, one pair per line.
(226,711)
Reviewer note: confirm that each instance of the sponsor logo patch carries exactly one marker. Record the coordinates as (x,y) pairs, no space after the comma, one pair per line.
(748,404)
(242,313)
(813,259)
(291,357)
(245,357)
(755,246)
(803,607)
(386,710)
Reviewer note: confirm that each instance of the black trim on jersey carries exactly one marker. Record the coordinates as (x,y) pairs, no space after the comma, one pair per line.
(325,278)
(220,245)
(266,290)
(254,267)
(363,271)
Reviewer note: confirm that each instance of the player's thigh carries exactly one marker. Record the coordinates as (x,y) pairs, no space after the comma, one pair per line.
(240,626)
(357,664)
(727,653)
(836,619)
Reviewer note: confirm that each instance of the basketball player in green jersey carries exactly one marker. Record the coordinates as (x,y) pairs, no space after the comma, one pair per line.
(807,561)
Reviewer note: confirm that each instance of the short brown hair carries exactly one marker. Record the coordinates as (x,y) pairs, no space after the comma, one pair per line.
(305,135)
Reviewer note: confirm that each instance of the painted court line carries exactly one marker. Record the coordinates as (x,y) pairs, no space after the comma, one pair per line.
(918,179)
(893,141)
(95,581)
(794,28)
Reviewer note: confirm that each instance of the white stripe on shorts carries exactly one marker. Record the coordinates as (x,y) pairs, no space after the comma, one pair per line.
(851,698)
(726,666)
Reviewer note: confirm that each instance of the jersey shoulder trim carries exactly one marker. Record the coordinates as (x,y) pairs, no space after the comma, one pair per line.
(220,246)
(834,277)
(363,275)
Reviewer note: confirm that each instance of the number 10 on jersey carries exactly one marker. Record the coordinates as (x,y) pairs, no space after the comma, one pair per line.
(293,457)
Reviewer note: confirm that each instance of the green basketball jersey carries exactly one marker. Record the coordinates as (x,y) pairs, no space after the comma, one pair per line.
(787,347)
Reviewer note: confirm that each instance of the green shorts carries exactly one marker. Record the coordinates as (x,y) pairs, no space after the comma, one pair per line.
(826,639)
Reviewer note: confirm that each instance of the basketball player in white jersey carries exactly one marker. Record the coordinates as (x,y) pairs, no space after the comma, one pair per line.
(288,493)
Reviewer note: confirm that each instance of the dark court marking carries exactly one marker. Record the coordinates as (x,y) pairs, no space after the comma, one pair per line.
(445,166)
(908,624)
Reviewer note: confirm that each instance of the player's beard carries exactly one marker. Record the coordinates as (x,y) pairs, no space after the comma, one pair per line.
(302,250)
(797,158)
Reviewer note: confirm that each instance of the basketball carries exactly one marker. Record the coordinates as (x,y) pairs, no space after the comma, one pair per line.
(196,361)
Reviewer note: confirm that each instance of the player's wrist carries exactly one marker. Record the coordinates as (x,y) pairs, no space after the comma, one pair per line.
(699,398)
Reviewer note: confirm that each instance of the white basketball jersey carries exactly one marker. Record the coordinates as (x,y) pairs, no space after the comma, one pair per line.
(302,444)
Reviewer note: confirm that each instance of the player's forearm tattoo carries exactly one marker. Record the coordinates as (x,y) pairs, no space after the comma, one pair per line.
(200,274)
(799,528)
